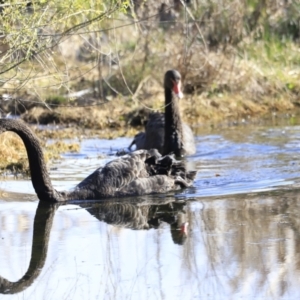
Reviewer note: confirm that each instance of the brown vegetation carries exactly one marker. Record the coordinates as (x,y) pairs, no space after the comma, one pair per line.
(239,61)
(13,156)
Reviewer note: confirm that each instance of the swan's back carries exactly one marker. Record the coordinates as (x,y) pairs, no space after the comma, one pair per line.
(154,135)
(138,173)
(155,132)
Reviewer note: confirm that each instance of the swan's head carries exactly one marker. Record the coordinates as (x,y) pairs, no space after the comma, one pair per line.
(173,82)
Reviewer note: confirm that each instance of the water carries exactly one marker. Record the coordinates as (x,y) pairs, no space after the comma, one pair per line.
(242,241)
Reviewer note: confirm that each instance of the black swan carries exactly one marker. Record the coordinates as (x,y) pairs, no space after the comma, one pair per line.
(166,132)
(138,173)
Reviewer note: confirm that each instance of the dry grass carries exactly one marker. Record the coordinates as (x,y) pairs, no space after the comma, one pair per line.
(238,61)
(13,156)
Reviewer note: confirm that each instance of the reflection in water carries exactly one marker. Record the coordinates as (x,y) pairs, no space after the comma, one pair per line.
(245,246)
(41,232)
(125,214)
(251,244)
(142,215)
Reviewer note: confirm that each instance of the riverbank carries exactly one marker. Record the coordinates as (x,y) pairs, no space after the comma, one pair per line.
(239,65)
(13,157)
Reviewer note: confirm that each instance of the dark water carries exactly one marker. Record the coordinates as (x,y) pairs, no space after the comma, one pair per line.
(242,241)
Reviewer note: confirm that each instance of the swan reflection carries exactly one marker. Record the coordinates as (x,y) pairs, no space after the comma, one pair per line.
(141,215)
(41,232)
(238,247)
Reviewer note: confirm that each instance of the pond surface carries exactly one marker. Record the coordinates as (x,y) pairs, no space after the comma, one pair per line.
(242,240)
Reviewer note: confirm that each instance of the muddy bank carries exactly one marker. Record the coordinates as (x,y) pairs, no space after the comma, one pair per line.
(123,116)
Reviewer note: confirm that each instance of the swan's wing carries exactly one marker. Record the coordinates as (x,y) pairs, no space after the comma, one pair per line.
(157,184)
(153,137)
(139,173)
(188,140)
(165,174)
(155,132)
(106,181)
(138,141)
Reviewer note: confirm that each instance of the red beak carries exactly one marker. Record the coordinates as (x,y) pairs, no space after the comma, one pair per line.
(184,228)
(177,89)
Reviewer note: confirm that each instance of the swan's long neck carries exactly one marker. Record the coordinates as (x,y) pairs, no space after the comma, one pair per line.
(173,125)
(38,170)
